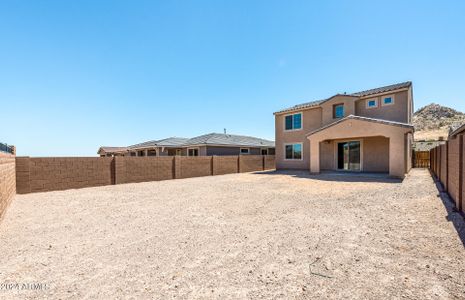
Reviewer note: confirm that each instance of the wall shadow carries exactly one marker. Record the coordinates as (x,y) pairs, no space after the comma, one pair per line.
(335,176)
(453,214)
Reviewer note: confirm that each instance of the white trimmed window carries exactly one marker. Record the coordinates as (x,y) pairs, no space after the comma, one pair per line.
(293,151)
(388,100)
(372,103)
(245,151)
(293,122)
(193,152)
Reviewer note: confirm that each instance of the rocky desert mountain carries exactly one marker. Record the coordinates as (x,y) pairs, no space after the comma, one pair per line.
(434,121)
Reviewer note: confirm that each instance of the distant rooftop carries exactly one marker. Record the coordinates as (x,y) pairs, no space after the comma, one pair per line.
(221,139)
(168,142)
(229,139)
(379,90)
(112,149)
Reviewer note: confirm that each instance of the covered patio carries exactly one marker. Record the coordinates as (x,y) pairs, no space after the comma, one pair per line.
(362,144)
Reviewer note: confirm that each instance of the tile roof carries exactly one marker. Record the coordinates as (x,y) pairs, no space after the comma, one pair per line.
(352,117)
(168,142)
(383,89)
(229,139)
(206,139)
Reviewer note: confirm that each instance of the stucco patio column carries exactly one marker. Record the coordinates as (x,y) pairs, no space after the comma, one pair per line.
(397,155)
(314,155)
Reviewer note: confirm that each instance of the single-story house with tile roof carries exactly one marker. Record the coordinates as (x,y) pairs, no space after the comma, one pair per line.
(205,145)
(368,131)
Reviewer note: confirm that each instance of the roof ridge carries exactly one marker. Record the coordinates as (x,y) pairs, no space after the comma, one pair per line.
(240,135)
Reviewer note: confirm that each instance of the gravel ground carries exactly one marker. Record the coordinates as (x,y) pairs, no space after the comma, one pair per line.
(272,235)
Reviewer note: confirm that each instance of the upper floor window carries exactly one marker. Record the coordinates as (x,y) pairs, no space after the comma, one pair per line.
(293,122)
(388,100)
(372,103)
(338,111)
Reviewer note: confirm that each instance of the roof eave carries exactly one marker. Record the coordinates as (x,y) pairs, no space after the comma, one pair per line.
(353,117)
(384,93)
(282,112)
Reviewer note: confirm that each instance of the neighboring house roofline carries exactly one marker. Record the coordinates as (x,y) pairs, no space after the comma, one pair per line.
(170,142)
(231,140)
(228,145)
(112,149)
(352,117)
(385,90)
(210,139)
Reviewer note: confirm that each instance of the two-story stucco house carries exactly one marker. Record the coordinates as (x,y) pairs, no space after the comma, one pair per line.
(368,131)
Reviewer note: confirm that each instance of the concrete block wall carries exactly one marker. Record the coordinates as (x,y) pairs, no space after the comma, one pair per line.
(195,166)
(249,163)
(443,171)
(448,166)
(39,174)
(269,162)
(7,181)
(49,174)
(225,165)
(140,169)
(453,182)
(462,176)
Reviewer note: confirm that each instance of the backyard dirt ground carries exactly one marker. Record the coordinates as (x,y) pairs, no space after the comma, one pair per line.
(270,235)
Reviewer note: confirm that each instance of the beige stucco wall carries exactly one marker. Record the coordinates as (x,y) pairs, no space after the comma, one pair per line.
(409,150)
(311,120)
(410,104)
(352,129)
(399,111)
(327,108)
(376,154)
(328,154)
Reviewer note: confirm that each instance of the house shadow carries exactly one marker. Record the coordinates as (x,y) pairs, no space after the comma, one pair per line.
(453,214)
(336,176)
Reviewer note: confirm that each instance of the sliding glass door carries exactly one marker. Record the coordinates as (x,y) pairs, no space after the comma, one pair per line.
(348,156)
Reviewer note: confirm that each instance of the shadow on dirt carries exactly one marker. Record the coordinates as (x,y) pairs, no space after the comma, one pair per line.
(453,214)
(336,176)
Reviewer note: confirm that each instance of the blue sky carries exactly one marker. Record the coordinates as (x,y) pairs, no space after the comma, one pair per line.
(75,75)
